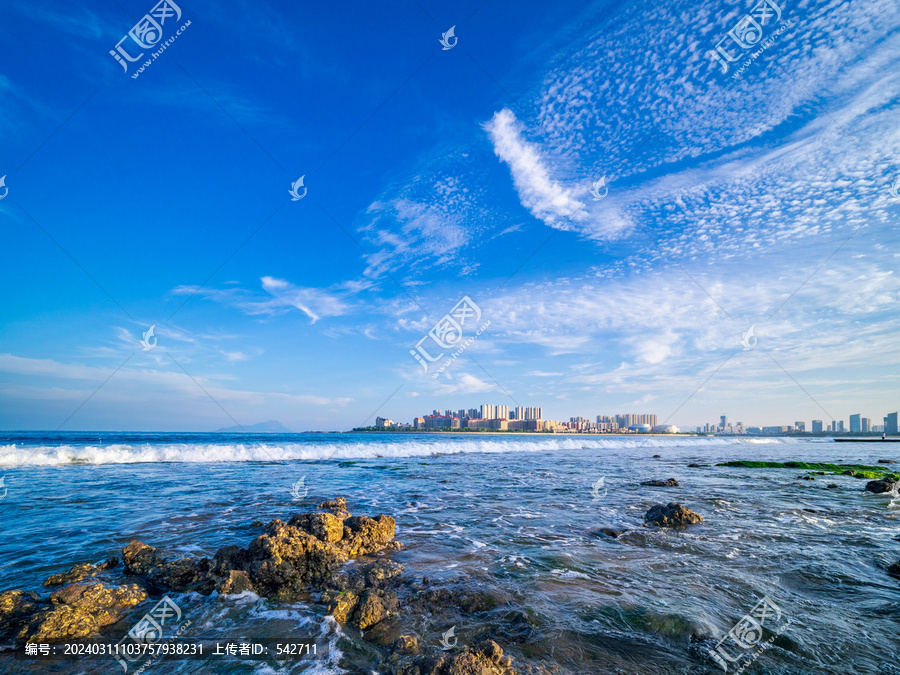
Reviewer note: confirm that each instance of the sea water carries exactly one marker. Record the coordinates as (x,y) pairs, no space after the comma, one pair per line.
(513,515)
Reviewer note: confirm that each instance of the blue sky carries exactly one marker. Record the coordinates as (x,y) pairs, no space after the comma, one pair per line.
(756,197)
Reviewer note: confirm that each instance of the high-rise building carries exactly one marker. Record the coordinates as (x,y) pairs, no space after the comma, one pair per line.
(817,427)
(855,425)
(865,425)
(800,426)
(840,427)
(890,423)
(487,411)
(502,412)
(723,422)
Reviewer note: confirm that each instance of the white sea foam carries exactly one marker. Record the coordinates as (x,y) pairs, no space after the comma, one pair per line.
(132,453)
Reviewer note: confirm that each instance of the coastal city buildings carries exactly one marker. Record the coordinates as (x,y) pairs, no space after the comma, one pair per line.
(489,417)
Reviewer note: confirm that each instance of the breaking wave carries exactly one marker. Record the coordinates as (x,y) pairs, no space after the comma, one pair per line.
(38,454)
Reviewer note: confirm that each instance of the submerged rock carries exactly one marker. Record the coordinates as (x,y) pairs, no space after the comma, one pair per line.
(894,569)
(16,607)
(886,461)
(609,532)
(882,485)
(80,571)
(669,482)
(81,610)
(831,486)
(485,659)
(179,574)
(671,515)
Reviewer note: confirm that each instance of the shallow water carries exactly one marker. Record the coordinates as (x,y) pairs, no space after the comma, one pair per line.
(512,515)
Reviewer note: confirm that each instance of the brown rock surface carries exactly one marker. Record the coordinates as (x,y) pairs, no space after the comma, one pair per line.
(80,572)
(671,515)
(80,610)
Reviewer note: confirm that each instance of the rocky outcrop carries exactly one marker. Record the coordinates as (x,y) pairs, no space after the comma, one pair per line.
(81,610)
(672,515)
(167,574)
(669,482)
(80,572)
(894,569)
(16,607)
(882,485)
(485,659)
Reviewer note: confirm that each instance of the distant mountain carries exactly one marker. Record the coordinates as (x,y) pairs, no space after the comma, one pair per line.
(271,427)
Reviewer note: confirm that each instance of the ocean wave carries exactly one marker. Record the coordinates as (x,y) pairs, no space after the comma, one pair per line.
(205,452)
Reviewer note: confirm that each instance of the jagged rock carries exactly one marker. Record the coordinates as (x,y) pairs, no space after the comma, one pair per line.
(324,526)
(80,610)
(15,609)
(894,569)
(485,659)
(670,482)
(79,572)
(671,515)
(341,605)
(882,485)
(375,606)
(406,644)
(609,532)
(336,506)
(180,574)
(831,486)
(364,535)
(236,582)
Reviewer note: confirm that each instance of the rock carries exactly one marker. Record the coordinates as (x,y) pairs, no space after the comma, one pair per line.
(257,523)
(886,461)
(336,506)
(694,465)
(375,606)
(364,535)
(80,572)
(657,456)
(16,607)
(406,644)
(670,482)
(806,477)
(882,485)
(672,515)
(894,570)
(341,605)
(831,486)
(615,534)
(181,574)
(308,551)
(80,610)
(848,472)
(485,659)
(235,583)
(287,559)
(324,526)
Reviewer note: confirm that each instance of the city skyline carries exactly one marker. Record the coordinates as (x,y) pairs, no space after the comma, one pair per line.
(287,218)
